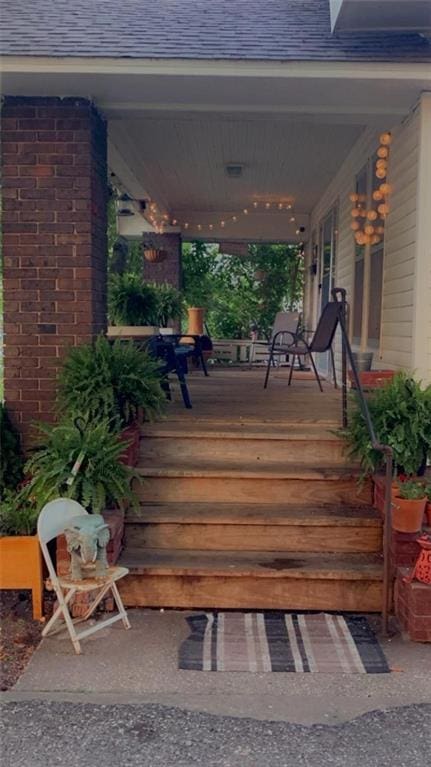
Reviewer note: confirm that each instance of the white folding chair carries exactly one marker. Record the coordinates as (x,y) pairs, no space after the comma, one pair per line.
(53,520)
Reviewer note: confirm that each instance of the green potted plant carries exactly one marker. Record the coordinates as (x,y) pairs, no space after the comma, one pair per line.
(401,415)
(408,506)
(20,559)
(112,380)
(11,457)
(133,306)
(170,304)
(79,460)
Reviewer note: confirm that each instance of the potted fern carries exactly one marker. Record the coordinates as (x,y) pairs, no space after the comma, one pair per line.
(20,559)
(170,304)
(133,306)
(408,506)
(401,414)
(115,381)
(79,460)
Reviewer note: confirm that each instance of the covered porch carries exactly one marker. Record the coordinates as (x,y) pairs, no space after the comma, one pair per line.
(225,152)
(247,500)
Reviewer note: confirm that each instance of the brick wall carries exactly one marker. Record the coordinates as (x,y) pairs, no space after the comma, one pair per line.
(413,607)
(169,270)
(54,243)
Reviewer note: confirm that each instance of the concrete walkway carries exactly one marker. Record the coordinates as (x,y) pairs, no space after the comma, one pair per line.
(140,667)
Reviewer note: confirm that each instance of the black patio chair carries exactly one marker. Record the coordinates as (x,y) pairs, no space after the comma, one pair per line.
(321,342)
(173,359)
(192,348)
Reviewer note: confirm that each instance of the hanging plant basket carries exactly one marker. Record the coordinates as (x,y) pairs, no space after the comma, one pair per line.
(155,255)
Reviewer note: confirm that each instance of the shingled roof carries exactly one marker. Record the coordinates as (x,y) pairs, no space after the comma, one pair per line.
(265,30)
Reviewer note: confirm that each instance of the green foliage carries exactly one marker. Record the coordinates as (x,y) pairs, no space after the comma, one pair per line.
(428,492)
(227,286)
(170,303)
(411,490)
(401,414)
(18,515)
(111,381)
(11,458)
(131,301)
(101,480)
(199,265)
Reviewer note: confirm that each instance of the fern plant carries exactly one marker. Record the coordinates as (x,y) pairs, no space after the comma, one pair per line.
(170,303)
(401,414)
(111,381)
(11,458)
(82,463)
(18,515)
(131,301)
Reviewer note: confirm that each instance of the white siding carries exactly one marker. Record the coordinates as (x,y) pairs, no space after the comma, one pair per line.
(422,302)
(406,301)
(400,247)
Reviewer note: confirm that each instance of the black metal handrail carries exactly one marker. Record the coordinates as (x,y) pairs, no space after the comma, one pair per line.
(386,450)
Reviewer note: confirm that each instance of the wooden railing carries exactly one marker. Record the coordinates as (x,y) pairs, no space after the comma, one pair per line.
(339,294)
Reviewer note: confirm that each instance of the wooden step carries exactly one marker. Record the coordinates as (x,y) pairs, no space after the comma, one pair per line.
(252,580)
(269,483)
(254,527)
(247,444)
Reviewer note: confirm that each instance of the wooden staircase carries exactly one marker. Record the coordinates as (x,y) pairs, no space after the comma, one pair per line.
(251,514)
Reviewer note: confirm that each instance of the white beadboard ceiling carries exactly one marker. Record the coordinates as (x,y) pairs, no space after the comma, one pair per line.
(180,161)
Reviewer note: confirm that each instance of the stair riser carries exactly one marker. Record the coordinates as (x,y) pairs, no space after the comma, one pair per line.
(245,490)
(200,592)
(243,451)
(215,537)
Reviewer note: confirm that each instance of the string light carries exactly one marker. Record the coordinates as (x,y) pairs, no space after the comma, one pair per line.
(371,231)
(159,221)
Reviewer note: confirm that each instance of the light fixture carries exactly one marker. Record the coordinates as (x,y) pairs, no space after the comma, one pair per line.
(234,169)
(123,206)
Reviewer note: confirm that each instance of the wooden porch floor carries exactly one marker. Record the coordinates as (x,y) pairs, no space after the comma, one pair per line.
(237,395)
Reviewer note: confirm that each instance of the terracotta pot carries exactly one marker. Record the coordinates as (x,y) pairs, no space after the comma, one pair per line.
(428,514)
(131,434)
(195,320)
(155,255)
(407,515)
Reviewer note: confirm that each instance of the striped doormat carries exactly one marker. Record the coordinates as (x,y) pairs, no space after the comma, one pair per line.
(279,641)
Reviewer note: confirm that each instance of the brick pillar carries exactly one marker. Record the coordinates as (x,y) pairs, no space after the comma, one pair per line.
(54,243)
(169,270)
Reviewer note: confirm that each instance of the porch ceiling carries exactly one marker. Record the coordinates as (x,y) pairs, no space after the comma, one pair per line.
(180,163)
(173,126)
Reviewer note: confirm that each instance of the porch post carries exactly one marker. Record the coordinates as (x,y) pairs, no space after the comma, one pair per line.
(168,270)
(54,243)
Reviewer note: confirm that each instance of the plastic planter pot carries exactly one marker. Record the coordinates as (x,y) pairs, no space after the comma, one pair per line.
(407,515)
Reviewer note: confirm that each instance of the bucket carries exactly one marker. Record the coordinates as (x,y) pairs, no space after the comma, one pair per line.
(363,361)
